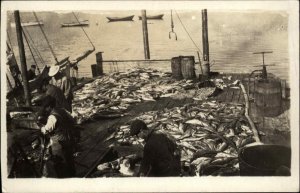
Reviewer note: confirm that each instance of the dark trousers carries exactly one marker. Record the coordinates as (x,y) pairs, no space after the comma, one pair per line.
(69,100)
(61,164)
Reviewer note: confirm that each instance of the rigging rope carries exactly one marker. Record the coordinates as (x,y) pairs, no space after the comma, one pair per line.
(45,37)
(84,31)
(10,45)
(33,46)
(31,51)
(188,33)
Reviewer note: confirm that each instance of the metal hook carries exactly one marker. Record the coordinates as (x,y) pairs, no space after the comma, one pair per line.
(172,28)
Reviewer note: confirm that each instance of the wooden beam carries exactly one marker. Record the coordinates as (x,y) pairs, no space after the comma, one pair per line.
(22,58)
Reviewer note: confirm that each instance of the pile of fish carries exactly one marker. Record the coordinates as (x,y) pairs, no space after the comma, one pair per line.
(114,93)
(209,135)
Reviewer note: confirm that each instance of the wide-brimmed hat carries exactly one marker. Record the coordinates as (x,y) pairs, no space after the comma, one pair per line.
(53,70)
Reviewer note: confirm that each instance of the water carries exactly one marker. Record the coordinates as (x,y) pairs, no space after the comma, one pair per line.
(233,37)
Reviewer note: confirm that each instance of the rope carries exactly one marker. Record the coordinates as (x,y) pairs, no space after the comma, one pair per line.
(188,33)
(45,37)
(9,83)
(35,49)
(10,45)
(83,30)
(31,51)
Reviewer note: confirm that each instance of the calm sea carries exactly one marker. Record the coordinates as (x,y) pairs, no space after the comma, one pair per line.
(233,37)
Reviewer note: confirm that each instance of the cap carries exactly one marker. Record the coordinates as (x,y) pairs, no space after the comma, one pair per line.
(53,70)
(136,126)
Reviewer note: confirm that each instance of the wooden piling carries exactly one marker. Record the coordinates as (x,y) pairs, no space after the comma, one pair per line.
(283,89)
(206,67)
(22,58)
(145,35)
(99,60)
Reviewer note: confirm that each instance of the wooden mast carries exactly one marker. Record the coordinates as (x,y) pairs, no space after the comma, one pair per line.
(145,35)
(22,58)
(206,67)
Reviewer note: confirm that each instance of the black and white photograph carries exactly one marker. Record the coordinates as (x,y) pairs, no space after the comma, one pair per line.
(149,96)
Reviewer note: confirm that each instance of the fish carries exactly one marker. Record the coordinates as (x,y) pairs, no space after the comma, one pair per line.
(187,145)
(103,166)
(200,164)
(191,139)
(204,153)
(197,122)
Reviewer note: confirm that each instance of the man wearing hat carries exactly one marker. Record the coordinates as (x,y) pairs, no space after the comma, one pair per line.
(161,156)
(31,72)
(55,92)
(62,82)
(58,124)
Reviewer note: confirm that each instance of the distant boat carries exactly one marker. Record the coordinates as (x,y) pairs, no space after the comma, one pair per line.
(153,17)
(25,24)
(128,18)
(76,24)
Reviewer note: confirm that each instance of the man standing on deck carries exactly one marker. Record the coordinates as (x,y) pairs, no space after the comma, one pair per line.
(62,82)
(31,72)
(55,92)
(59,124)
(161,156)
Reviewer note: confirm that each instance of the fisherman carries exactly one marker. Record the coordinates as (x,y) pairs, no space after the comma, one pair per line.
(14,68)
(161,155)
(31,72)
(58,124)
(62,82)
(55,92)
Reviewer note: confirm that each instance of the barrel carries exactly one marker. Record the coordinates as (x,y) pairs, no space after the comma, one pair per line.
(188,67)
(99,61)
(176,68)
(96,70)
(268,98)
(265,160)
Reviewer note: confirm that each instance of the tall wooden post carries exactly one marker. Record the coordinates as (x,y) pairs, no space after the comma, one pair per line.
(206,67)
(99,60)
(145,35)
(22,58)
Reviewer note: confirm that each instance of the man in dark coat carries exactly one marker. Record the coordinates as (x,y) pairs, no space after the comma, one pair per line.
(58,124)
(61,81)
(55,92)
(31,73)
(161,156)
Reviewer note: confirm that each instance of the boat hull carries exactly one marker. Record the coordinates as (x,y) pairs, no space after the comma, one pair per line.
(28,24)
(154,17)
(113,19)
(75,24)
